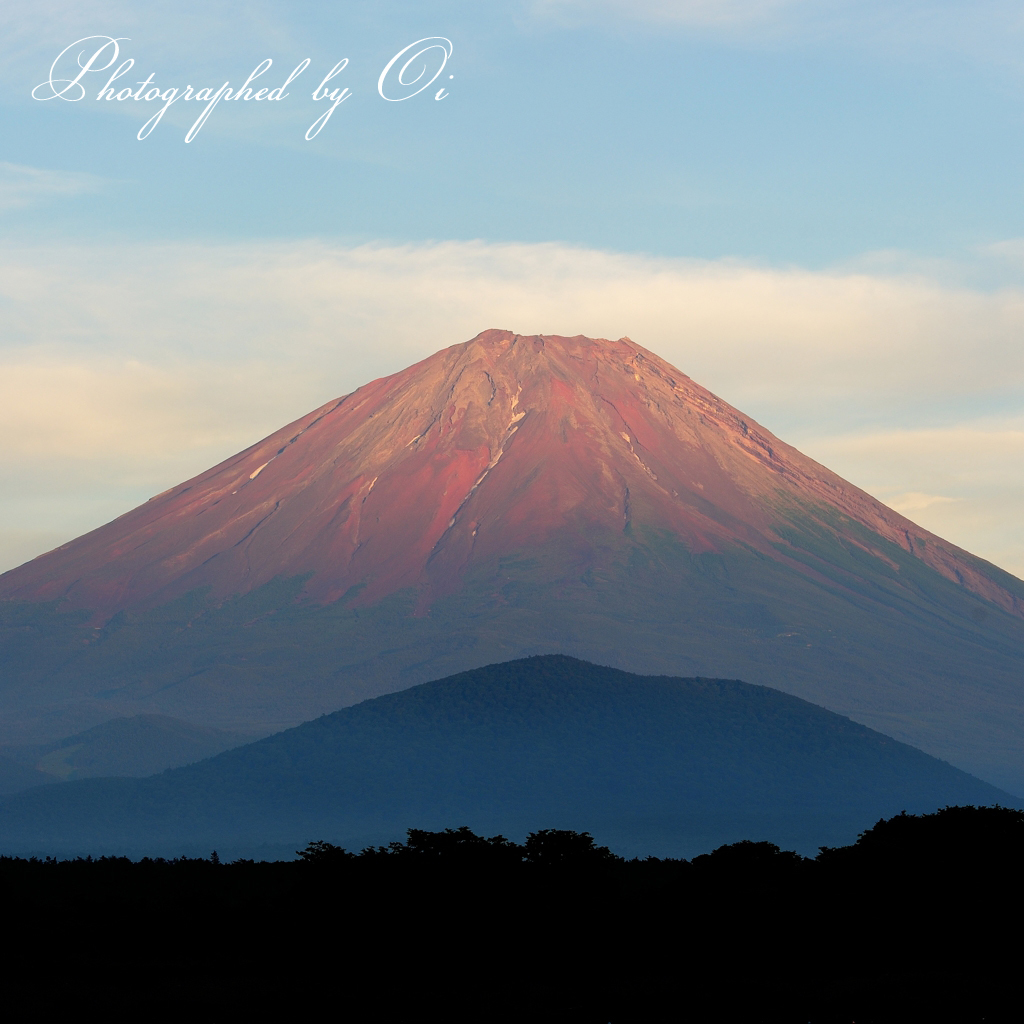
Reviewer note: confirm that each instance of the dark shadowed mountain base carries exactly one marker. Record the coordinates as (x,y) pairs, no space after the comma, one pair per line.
(901,649)
(649,765)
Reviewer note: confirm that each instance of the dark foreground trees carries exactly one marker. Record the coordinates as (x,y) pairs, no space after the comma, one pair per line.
(919,920)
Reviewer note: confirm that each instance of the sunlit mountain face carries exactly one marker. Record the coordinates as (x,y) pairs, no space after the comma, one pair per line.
(509,496)
(566,446)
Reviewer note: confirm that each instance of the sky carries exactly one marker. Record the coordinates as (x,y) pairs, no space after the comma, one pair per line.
(815,208)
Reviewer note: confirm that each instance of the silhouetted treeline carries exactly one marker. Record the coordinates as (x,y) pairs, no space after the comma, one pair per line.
(918,920)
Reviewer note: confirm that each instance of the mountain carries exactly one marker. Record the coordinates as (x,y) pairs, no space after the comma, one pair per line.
(15,777)
(502,444)
(137,746)
(511,496)
(648,764)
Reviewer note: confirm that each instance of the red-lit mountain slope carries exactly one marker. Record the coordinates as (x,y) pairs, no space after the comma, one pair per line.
(504,443)
(506,497)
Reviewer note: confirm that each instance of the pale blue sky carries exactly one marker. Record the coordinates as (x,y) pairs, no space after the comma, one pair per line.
(791,137)
(814,207)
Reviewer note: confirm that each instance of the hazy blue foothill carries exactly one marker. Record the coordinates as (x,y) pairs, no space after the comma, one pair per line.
(649,765)
(15,777)
(137,746)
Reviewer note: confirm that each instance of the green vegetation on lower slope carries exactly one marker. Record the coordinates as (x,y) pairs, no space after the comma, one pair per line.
(648,764)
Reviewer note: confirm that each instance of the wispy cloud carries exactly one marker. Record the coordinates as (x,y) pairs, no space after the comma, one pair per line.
(832,340)
(986,30)
(962,480)
(124,370)
(700,13)
(22,186)
(915,501)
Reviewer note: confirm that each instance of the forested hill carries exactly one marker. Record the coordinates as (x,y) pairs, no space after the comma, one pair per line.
(650,765)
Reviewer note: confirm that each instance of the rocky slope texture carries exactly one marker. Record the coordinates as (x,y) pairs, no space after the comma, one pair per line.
(650,765)
(504,443)
(509,496)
